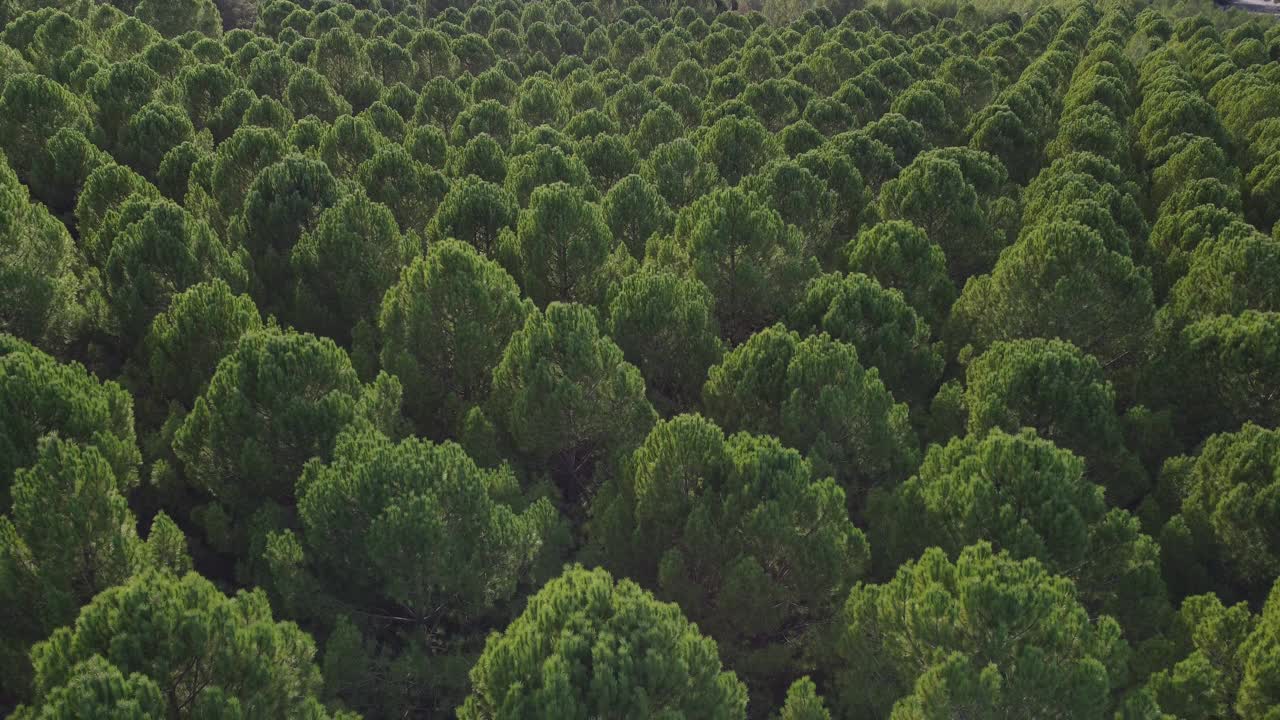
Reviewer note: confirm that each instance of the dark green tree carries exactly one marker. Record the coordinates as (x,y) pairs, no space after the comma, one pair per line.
(934,194)
(439,103)
(1176,235)
(560,245)
(345,264)
(815,396)
(740,532)
(679,173)
(1209,647)
(482,157)
(1199,158)
(432,53)
(1033,500)
(1263,182)
(1225,276)
(905,138)
(443,328)
(309,93)
(411,189)
(972,79)
(33,108)
(486,118)
(635,212)
(275,402)
(282,204)
(801,199)
(1090,128)
(566,396)
(747,257)
(936,106)
(844,179)
(40,270)
(899,255)
(1061,281)
(161,254)
(1260,687)
(173,18)
(347,144)
(546,165)
(985,634)
(98,689)
(658,126)
(665,326)
(68,536)
(186,342)
(475,212)
(150,135)
(1217,373)
(872,158)
(61,172)
(269,73)
(887,333)
(365,518)
(236,164)
(339,56)
(1003,133)
(737,148)
(203,87)
(119,93)
(1223,537)
(1061,392)
(609,158)
(538,103)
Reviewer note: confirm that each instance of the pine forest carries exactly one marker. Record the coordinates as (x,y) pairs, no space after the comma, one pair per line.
(639,359)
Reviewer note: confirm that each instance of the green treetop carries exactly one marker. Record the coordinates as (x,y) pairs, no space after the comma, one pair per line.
(180,647)
(444,326)
(741,533)
(1224,537)
(1032,500)
(275,402)
(816,396)
(986,634)
(565,395)
(586,646)
(1053,387)
(39,396)
(68,536)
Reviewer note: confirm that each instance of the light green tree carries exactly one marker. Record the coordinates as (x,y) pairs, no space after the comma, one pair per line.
(39,396)
(573,653)
(159,631)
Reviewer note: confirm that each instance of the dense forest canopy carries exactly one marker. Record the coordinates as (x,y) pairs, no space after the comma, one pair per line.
(639,359)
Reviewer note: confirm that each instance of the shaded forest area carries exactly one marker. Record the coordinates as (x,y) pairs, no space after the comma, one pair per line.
(504,360)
